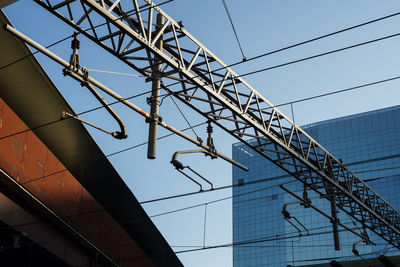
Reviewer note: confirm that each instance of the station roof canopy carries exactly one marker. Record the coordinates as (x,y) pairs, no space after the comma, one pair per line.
(28,90)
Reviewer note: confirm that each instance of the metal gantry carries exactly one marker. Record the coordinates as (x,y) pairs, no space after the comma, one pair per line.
(193,74)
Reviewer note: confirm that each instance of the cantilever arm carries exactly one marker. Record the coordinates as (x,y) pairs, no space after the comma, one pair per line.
(118,135)
(208,153)
(179,166)
(122,133)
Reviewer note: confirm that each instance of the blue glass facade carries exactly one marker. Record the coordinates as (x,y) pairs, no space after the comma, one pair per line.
(368,143)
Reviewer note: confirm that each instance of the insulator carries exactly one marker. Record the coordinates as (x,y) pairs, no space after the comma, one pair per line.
(209,128)
(75,42)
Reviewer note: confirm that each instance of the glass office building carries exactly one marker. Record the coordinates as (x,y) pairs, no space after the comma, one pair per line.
(368,143)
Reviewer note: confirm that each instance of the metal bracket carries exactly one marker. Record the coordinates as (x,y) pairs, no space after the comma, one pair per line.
(366,240)
(325,214)
(74,68)
(180,167)
(287,217)
(117,135)
(74,59)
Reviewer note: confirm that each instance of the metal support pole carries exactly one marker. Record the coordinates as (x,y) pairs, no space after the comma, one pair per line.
(324,214)
(155,95)
(335,225)
(79,76)
(332,199)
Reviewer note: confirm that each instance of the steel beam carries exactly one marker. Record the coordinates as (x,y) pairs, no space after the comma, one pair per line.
(5,3)
(85,78)
(182,55)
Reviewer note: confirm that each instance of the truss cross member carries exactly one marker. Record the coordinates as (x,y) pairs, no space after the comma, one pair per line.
(209,86)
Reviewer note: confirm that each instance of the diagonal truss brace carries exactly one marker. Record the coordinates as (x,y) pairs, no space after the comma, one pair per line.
(202,81)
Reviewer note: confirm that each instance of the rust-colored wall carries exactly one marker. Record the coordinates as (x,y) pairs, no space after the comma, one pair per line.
(25,158)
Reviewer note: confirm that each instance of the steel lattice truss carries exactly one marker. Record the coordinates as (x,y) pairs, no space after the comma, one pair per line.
(193,74)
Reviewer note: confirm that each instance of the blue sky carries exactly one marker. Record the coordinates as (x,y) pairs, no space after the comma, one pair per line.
(262,26)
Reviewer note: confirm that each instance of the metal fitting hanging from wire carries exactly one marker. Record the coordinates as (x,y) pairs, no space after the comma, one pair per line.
(288,217)
(74,66)
(210,151)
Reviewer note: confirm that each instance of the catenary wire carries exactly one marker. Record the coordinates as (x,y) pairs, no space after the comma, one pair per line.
(144,144)
(278,50)
(233,28)
(167,94)
(68,37)
(317,38)
(343,257)
(184,117)
(287,63)
(320,54)
(185,208)
(324,95)
(208,202)
(246,242)
(243,246)
(293,61)
(132,147)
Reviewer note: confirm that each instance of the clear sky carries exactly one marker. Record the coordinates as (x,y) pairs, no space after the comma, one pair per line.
(262,26)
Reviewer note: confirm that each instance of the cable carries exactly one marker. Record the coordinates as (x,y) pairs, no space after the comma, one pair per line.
(271,246)
(348,89)
(117,73)
(339,91)
(271,52)
(204,203)
(274,237)
(144,143)
(160,214)
(233,28)
(319,38)
(330,93)
(182,209)
(183,115)
(294,61)
(320,55)
(167,94)
(34,53)
(233,244)
(342,257)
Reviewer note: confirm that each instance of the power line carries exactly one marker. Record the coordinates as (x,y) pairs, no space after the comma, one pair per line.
(320,55)
(326,94)
(261,70)
(167,94)
(246,242)
(165,136)
(34,53)
(264,54)
(318,38)
(295,61)
(303,100)
(193,206)
(233,28)
(208,202)
(305,42)
(343,257)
